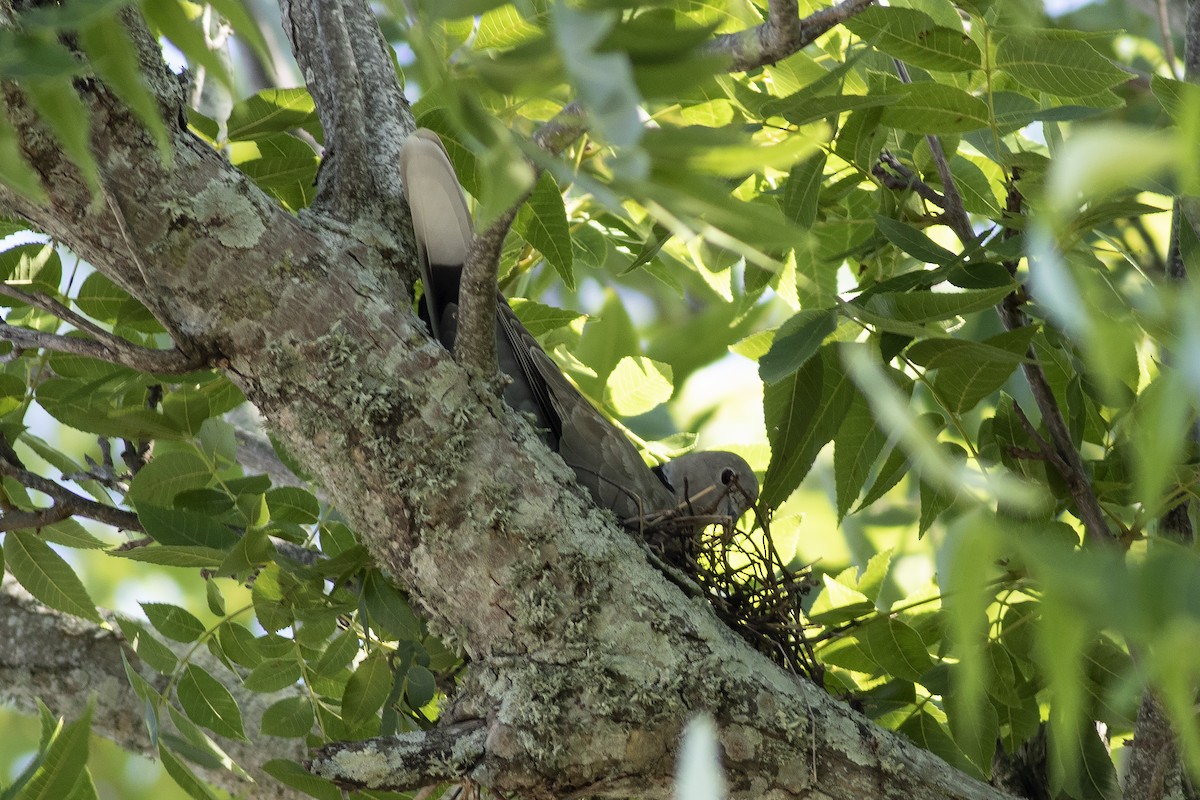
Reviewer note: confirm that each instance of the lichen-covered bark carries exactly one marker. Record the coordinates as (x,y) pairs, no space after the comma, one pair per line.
(586,662)
(65,662)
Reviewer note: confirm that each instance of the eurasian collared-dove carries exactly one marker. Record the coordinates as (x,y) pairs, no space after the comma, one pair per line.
(605,462)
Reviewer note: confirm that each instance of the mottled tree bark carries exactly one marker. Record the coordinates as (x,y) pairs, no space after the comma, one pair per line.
(585,662)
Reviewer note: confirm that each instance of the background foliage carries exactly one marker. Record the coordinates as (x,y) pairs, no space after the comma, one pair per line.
(770,258)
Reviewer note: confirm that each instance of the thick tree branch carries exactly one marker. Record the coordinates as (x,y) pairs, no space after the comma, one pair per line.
(410,760)
(365,116)
(783,34)
(63,661)
(556,606)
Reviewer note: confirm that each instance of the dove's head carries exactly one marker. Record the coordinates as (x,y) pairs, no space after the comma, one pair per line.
(712,482)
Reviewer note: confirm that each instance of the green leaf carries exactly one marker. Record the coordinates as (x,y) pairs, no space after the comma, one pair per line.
(15,171)
(60,108)
(173,527)
(291,717)
(931,734)
(188,408)
(174,556)
(174,622)
(542,222)
(70,533)
(27,55)
(871,581)
(936,496)
(31,268)
(183,776)
(292,774)
(969,371)
(292,504)
(64,764)
(149,649)
(923,306)
(896,648)
(795,343)
(838,603)
(803,412)
(638,385)
(280,164)
(913,36)
(935,108)
(79,405)
(856,448)
(420,687)
(366,690)
(46,575)
(273,675)
(540,319)
(239,644)
(1064,67)
(250,552)
(802,191)
(913,242)
(207,702)
(100,298)
(338,654)
(390,613)
(607,338)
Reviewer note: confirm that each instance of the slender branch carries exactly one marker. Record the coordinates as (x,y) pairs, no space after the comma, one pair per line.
(902,178)
(66,503)
(783,33)
(475,345)
(1075,474)
(112,349)
(52,306)
(1070,466)
(63,661)
(1168,37)
(107,347)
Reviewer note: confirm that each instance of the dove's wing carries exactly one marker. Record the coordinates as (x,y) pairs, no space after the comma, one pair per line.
(441,222)
(604,460)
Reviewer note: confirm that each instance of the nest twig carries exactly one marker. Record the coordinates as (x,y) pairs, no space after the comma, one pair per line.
(748,583)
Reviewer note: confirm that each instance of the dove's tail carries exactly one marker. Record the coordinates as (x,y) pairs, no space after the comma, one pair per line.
(441,221)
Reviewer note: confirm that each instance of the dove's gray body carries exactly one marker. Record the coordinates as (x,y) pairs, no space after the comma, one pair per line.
(605,462)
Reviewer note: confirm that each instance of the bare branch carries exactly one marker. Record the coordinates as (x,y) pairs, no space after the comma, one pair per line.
(66,503)
(1069,462)
(112,349)
(903,178)
(783,34)
(479,292)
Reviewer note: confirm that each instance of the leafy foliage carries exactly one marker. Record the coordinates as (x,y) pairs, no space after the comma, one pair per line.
(806,216)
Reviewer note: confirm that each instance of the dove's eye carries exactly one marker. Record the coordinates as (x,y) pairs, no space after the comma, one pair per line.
(727,476)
